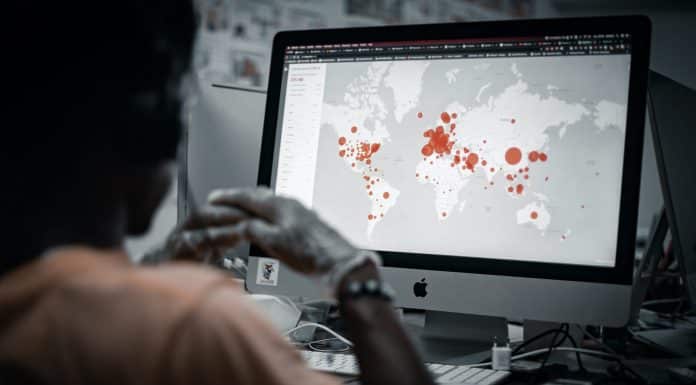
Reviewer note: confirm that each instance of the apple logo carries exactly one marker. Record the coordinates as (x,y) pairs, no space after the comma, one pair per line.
(419,288)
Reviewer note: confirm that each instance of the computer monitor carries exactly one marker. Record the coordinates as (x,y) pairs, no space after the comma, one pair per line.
(495,166)
(673,134)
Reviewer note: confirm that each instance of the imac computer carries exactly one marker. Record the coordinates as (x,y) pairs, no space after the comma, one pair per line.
(494,166)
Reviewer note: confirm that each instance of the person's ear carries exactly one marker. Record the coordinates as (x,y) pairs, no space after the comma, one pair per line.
(145,188)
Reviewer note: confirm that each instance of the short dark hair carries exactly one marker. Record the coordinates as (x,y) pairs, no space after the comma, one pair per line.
(91,77)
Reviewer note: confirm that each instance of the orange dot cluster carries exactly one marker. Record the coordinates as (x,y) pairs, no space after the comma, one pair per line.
(442,145)
(362,152)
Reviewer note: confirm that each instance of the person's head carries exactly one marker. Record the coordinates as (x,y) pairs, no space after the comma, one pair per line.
(95,117)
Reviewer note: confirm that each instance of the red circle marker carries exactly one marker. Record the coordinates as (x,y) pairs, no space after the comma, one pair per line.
(519,189)
(454,115)
(385,195)
(427,150)
(509,177)
(354,129)
(510,189)
(342,153)
(342,141)
(513,120)
(483,162)
(472,159)
(453,126)
(492,169)
(534,215)
(543,157)
(445,117)
(369,217)
(420,115)
(513,155)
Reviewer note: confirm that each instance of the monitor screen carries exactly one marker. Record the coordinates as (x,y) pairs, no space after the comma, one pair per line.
(505,148)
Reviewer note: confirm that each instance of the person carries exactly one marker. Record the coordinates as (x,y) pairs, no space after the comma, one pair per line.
(97,96)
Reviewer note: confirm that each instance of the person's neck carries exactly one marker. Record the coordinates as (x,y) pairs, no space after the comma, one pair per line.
(99,226)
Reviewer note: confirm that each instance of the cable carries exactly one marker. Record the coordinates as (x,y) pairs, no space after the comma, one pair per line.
(662,301)
(553,344)
(563,329)
(320,326)
(533,339)
(321,350)
(596,340)
(565,349)
(545,350)
(581,366)
(548,351)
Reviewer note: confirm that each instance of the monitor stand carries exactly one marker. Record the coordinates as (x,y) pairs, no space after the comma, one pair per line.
(460,338)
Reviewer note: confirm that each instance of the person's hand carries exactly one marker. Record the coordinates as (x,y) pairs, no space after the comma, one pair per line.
(203,236)
(288,231)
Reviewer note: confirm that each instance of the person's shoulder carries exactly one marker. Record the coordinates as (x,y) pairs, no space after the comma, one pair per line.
(96,286)
(109,278)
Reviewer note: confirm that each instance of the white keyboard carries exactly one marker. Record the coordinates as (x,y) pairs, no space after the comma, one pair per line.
(346,364)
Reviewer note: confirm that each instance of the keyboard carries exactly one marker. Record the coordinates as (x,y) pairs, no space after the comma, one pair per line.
(346,364)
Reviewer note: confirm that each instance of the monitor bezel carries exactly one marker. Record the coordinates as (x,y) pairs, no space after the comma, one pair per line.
(640,29)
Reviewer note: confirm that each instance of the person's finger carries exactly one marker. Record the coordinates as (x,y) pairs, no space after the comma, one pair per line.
(271,240)
(227,236)
(262,233)
(213,238)
(255,201)
(209,215)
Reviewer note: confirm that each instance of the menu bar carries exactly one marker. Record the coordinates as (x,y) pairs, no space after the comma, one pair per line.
(566,45)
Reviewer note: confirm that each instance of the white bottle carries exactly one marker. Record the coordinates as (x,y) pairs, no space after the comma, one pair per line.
(500,356)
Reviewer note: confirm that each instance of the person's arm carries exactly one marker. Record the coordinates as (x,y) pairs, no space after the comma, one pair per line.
(385,353)
(286,230)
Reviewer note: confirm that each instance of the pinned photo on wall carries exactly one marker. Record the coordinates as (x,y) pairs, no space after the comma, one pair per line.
(255,21)
(248,68)
(382,11)
(214,14)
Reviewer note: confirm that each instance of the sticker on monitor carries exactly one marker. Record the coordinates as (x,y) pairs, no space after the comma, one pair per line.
(267,273)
